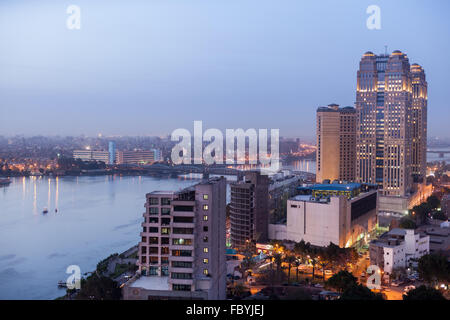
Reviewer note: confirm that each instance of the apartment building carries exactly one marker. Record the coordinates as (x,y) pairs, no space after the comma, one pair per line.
(182,248)
(249,209)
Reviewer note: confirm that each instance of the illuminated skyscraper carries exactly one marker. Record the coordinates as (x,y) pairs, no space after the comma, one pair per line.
(112,152)
(386,134)
(419,122)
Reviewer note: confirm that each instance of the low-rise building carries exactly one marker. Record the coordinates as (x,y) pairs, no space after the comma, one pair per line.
(398,248)
(343,214)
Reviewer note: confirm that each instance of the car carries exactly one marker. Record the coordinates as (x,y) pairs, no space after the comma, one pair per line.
(318,285)
(395,284)
(328,272)
(408,288)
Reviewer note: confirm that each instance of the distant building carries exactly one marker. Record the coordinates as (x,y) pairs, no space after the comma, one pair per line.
(336,143)
(343,214)
(182,249)
(398,248)
(92,155)
(112,152)
(249,209)
(136,157)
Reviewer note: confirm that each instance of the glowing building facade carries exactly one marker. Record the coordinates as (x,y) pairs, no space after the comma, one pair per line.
(390,101)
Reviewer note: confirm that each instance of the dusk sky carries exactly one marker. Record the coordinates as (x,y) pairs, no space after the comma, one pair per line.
(150,67)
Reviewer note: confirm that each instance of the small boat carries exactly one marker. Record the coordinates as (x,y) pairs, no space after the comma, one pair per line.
(62,284)
(45,210)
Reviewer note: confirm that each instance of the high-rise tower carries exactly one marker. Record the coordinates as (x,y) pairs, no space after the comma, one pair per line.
(385,131)
(336,143)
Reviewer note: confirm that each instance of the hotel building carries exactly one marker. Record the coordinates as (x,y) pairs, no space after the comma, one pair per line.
(336,143)
(182,249)
(391,127)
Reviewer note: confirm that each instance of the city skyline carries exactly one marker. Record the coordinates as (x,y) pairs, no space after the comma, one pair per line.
(131,71)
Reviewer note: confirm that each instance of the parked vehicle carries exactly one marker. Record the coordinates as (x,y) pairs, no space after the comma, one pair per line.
(408,288)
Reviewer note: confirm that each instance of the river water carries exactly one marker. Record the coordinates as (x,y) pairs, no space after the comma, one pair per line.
(97,216)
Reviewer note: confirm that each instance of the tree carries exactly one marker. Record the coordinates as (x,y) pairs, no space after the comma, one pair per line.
(289,259)
(433,202)
(439,215)
(407,223)
(98,288)
(360,292)
(434,268)
(423,293)
(297,264)
(341,281)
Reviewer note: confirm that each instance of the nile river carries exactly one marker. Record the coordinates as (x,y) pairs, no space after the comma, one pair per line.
(97,216)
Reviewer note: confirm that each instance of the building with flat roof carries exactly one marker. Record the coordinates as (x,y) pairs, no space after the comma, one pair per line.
(336,143)
(398,248)
(343,214)
(249,209)
(182,249)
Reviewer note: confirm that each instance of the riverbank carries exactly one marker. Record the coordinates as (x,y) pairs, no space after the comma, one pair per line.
(110,273)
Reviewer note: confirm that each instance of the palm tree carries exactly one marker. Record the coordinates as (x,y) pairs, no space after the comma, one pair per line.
(278,259)
(297,264)
(290,259)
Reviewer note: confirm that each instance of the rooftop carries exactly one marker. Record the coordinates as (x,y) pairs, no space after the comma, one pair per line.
(333,187)
(151,283)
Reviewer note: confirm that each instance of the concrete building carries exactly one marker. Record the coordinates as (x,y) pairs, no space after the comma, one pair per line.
(249,211)
(391,136)
(136,157)
(398,248)
(336,143)
(182,249)
(92,155)
(343,214)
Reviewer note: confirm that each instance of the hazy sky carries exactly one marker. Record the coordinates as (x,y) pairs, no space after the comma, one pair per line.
(149,67)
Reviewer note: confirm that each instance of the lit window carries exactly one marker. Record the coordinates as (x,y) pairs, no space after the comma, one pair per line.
(205,261)
(205,197)
(205,207)
(205,272)
(205,218)
(205,250)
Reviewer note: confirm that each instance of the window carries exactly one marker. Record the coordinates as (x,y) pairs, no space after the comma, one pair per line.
(153,201)
(165,211)
(153,220)
(181,264)
(165,201)
(205,218)
(182,253)
(165,241)
(205,239)
(205,207)
(165,230)
(182,242)
(205,261)
(183,231)
(164,250)
(205,197)
(154,210)
(153,240)
(205,250)
(181,287)
(180,275)
(153,250)
(153,230)
(205,228)
(165,221)
(205,272)
(183,219)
